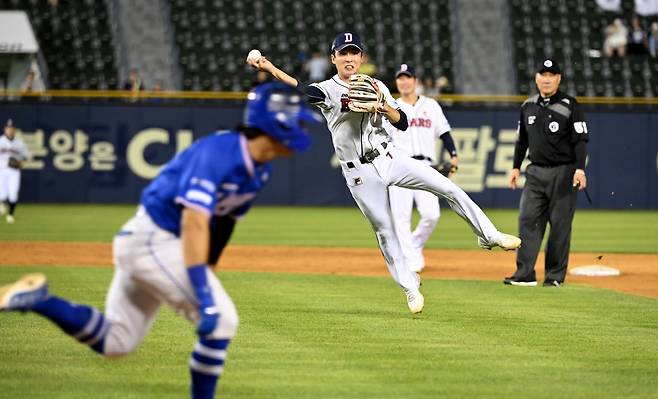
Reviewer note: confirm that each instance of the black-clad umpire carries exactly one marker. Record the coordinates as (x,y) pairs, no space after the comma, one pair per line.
(552,127)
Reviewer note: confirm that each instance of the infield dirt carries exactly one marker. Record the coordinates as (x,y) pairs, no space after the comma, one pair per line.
(639,272)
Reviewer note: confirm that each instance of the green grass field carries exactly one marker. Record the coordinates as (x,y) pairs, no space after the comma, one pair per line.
(594,231)
(311,336)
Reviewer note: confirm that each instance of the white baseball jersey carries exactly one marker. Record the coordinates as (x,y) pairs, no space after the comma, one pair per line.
(352,133)
(15,148)
(426,123)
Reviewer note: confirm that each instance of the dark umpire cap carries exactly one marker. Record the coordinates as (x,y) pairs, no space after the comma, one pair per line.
(346,39)
(549,65)
(10,123)
(406,69)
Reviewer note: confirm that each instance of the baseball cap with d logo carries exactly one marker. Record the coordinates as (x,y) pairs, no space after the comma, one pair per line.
(406,69)
(346,39)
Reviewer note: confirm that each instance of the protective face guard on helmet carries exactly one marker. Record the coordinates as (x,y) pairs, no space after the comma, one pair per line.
(279,111)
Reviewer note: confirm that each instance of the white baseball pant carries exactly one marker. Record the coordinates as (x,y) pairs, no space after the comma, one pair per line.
(150,271)
(10,183)
(412,242)
(369,184)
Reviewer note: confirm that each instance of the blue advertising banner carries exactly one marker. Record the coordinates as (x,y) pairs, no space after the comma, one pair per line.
(107,153)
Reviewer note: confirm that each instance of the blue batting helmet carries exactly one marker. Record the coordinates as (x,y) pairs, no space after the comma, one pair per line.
(279,110)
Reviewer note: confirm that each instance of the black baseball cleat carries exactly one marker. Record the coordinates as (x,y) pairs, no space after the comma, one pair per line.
(520,282)
(552,283)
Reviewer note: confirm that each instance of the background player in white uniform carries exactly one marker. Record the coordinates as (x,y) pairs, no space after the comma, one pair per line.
(426,124)
(12,152)
(370,163)
(186,216)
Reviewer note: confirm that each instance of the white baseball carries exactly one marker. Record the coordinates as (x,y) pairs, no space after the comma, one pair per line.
(253,56)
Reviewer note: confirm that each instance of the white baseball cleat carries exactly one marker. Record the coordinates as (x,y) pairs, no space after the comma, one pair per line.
(24,293)
(10,219)
(415,300)
(507,242)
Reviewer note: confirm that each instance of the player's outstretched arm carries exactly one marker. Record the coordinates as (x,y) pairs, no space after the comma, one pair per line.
(263,64)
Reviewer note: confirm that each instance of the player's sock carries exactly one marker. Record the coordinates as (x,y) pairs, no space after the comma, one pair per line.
(12,207)
(206,365)
(82,322)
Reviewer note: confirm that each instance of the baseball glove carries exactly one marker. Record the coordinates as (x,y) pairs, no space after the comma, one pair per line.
(14,163)
(364,94)
(446,168)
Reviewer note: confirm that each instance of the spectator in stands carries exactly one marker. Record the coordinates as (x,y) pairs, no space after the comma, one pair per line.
(317,67)
(653,40)
(32,84)
(368,67)
(637,38)
(134,84)
(158,85)
(444,85)
(616,38)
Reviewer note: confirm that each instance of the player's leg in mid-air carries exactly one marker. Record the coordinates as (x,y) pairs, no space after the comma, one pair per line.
(410,173)
(371,195)
(402,201)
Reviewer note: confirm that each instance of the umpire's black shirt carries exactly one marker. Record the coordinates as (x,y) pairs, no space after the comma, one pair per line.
(554,130)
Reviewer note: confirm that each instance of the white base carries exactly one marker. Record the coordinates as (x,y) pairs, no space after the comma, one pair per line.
(594,271)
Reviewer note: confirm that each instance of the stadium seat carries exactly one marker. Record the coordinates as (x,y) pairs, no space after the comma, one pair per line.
(69,38)
(278,30)
(570,30)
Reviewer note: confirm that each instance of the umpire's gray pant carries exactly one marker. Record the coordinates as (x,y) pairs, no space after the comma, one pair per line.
(548,196)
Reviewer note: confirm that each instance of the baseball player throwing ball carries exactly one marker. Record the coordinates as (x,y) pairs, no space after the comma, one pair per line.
(162,255)
(426,124)
(354,106)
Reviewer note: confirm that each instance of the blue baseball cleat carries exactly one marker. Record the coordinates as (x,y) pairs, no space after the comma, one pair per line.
(24,293)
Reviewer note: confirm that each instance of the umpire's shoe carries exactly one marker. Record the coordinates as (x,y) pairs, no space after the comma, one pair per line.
(24,293)
(520,282)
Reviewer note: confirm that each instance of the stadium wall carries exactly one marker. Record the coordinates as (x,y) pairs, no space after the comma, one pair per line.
(106,153)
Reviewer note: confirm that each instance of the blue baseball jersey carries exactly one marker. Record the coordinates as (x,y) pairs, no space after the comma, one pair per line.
(215,175)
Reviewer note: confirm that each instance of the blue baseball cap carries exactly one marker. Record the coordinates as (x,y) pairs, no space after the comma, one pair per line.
(406,69)
(279,111)
(346,39)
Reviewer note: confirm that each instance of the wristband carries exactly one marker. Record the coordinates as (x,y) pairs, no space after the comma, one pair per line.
(199,280)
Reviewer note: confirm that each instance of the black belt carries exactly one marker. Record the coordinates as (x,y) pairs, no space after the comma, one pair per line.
(547,165)
(422,158)
(370,156)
